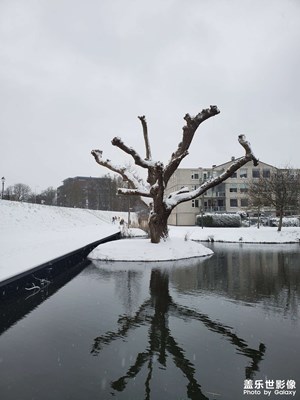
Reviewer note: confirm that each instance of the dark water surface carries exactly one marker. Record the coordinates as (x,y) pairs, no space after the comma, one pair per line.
(189,330)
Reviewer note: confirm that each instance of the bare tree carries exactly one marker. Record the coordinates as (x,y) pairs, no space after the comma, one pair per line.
(153,189)
(281,190)
(19,192)
(48,196)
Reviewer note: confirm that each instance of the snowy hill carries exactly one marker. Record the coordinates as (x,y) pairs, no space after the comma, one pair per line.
(32,234)
(26,215)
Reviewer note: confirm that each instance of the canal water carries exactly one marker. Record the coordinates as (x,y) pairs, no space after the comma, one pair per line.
(223,327)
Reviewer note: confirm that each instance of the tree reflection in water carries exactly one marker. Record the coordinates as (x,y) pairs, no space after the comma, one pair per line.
(155,312)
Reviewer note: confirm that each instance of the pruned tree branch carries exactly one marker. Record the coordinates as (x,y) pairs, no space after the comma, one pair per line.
(129,150)
(180,196)
(243,142)
(134,192)
(123,171)
(146,138)
(97,154)
(189,129)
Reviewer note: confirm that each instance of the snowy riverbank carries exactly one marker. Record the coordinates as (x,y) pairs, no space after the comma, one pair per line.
(182,243)
(237,235)
(33,234)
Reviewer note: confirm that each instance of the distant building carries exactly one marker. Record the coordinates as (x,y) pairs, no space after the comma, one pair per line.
(230,196)
(87,192)
(96,194)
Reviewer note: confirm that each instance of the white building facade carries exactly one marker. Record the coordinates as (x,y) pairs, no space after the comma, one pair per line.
(230,196)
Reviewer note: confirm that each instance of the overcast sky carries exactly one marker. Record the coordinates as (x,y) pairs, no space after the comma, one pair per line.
(74,74)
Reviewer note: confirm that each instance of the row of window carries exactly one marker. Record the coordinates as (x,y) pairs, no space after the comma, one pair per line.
(242,189)
(256,173)
(244,202)
(243,173)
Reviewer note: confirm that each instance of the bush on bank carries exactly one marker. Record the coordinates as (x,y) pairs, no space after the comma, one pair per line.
(224,220)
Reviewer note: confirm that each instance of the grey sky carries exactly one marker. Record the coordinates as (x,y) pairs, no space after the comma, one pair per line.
(74,74)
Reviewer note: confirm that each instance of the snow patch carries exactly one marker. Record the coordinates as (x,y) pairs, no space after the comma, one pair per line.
(144,250)
(238,235)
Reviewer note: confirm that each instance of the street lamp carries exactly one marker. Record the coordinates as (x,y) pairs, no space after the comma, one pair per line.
(3,181)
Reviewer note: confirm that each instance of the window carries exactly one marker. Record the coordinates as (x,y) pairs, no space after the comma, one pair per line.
(244,202)
(195,203)
(243,173)
(220,203)
(233,203)
(194,187)
(234,175)
(195,176)
(255,173)
(266,173)
(233,188)
(244,188)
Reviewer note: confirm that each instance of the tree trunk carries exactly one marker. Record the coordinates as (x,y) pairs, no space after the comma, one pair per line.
(280,220)
(158,225)
(258,217)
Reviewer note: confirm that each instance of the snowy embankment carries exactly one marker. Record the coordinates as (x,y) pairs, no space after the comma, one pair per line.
(32,234)
(182,243)
(238,235)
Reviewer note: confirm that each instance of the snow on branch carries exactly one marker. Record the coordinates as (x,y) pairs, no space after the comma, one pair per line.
(180,196)
(127,175)
(189,129)
(243,142)
(135,192)
(184,189)
(129,150)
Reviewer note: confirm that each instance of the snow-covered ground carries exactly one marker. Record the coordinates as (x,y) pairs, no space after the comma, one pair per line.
(32,234)
(238,235)
(182,243)
(142,250)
